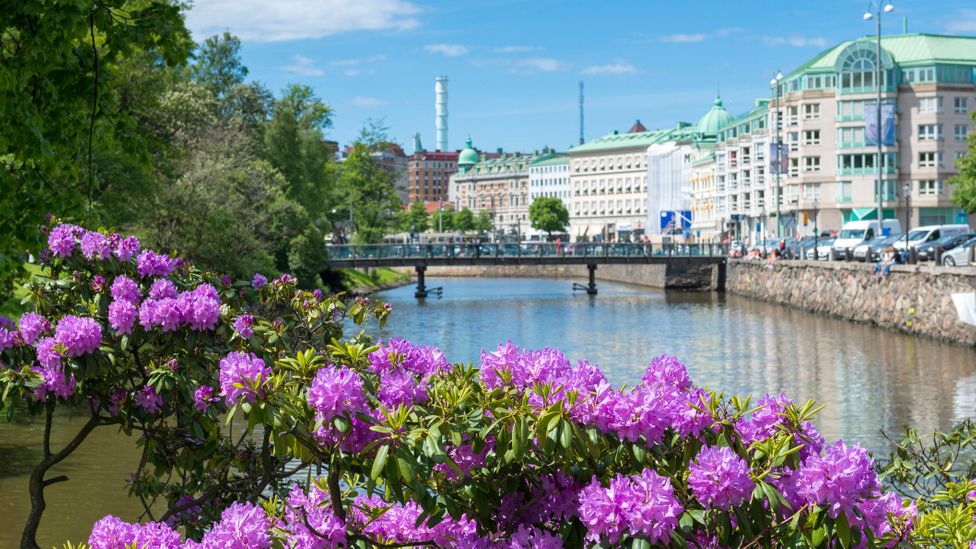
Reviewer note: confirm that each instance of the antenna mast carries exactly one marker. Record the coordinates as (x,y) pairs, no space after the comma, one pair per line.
(581,111)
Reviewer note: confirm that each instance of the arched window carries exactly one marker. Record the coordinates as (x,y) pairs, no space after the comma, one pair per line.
(856,65)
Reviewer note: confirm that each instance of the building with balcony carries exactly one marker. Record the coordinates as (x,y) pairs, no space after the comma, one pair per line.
(817,112)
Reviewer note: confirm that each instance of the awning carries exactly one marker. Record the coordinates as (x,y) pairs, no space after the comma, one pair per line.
(623,228)
(864,213)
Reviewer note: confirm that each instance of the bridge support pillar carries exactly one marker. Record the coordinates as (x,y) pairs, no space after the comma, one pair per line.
(421,285)
(591,286)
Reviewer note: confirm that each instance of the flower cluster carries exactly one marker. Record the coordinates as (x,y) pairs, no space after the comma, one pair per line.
(149,263)
(243,326)
(719,478)
(32,326)
(198,308)
(642,504)
(64,238)
(242,377)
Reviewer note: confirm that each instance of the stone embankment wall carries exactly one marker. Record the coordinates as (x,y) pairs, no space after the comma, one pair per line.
(916,299)
(686,277)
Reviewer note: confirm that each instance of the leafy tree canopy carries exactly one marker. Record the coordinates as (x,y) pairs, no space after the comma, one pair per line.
(548,214)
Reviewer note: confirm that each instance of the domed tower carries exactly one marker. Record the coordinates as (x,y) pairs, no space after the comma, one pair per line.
(468,157)
(710,124)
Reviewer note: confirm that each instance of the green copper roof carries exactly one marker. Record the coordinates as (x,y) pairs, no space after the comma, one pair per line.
(468,156)
(683,132)
(509,163)
(714,119)
(554,161)
(906,49)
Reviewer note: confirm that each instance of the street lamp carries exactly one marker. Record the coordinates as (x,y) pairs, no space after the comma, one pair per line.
(908,210)
(879,9)
(816,230)
(775,83)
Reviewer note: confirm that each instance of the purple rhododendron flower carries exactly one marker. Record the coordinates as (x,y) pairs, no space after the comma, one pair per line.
(149,263)
(111,533)
(398,524)
(239,372)
(399,354)
(162,288)
(8,338)
(157,535)
(878,513)
(839,480)
(642,504)
(95,245)
(202,397)
(200,308)
(765,421)
(47,355)
(79,335)
(126,248)
(149,399)
(336,391)
(55,382)
(32,326)
(401,387)
(242,325)
(667,371)
(126,289)
(258,281)
(719,478)
(122,315)
(313,509)
(98,284)
(241,526)
(62,239)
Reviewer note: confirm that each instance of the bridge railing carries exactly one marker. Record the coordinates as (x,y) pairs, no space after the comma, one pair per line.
(525,249)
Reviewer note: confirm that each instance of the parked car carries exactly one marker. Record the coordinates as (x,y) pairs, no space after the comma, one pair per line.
(824,247)
(959,256)
(928,233)
(878,247)
(863,250)
(855,233)
(926,251)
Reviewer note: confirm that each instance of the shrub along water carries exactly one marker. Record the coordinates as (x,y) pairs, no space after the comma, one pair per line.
(262,425)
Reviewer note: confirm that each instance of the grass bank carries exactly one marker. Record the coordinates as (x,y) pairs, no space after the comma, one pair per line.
(357,281)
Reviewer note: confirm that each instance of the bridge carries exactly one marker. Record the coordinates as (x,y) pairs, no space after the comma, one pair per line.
(421,256)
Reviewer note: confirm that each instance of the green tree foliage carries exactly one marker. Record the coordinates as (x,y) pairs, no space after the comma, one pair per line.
(464,220)
(416,218)
(443,220)
(218,67)
(483,223)
(367,194)
(295,144)
(61,97)
(965,182)
(548,214)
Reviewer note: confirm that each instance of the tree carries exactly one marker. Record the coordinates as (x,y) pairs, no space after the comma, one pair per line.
(484,223)
(218,66)
(294,142)
(548,214)
(464,220)
(416,218)
(443,220)
(964,195)
(60,99)
(366,194)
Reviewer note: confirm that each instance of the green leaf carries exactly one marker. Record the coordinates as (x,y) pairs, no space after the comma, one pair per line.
(379,462)
(843,530)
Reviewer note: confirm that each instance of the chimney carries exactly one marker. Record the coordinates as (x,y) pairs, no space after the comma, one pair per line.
(440,108)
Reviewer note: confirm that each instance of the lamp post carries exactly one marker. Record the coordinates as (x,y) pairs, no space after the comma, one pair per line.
(816,231)
(775,83)
(879,9)
(908,210)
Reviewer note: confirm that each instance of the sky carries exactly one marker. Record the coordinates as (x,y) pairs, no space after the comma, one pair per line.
(514,66)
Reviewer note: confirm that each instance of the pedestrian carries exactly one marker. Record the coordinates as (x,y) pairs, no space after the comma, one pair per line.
(888,258)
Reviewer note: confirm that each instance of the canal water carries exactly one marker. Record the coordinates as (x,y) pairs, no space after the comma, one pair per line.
(870,379)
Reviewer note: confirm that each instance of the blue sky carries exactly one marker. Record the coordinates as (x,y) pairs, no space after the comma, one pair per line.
(514,66)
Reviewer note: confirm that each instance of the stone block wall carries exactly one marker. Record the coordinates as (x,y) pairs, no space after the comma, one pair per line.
(686,277)
(916,299)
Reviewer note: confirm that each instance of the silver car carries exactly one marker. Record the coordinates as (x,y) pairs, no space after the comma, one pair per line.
(958,256)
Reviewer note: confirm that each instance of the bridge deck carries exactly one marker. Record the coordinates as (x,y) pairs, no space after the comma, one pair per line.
(390,255)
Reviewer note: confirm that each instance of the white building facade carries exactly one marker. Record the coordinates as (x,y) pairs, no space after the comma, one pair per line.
(548,178)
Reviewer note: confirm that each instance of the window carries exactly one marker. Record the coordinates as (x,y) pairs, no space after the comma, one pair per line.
(959,105)
(961,131)
(811,163)
(850,137)
(929,187)
(844,191)
(929,159)
(811,137)
(811,111)
(929,132)
(929,104)
(811,190)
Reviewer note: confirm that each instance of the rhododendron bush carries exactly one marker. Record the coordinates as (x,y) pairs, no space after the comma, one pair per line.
(262,426)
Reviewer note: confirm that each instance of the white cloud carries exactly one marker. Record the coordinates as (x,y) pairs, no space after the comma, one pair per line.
(363,102)
(513,49)
(619,67)
(539,64)
(303,66)
(449,50)
(964,23)
(358,66)
(263,21)
(795,41)
(682,38)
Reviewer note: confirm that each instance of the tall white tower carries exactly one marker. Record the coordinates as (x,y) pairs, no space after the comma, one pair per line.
(440,106)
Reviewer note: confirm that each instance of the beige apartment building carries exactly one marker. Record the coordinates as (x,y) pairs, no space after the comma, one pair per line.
(931,82)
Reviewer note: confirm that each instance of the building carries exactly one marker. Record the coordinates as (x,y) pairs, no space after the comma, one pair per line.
(930,83)
(548,178)
(705,225)
(498,185)
(669,183)
(608,180)
(391,158)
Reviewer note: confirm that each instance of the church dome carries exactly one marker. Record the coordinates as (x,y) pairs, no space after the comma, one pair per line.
(469,156)
(714,119)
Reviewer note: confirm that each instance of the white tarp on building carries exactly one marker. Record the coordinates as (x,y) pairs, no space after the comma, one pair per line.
(668,184)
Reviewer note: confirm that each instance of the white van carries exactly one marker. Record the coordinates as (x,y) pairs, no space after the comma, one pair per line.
(855,233)
(928,233)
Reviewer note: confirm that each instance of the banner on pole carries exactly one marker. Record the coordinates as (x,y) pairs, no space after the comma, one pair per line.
(871,130)
(779,158)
